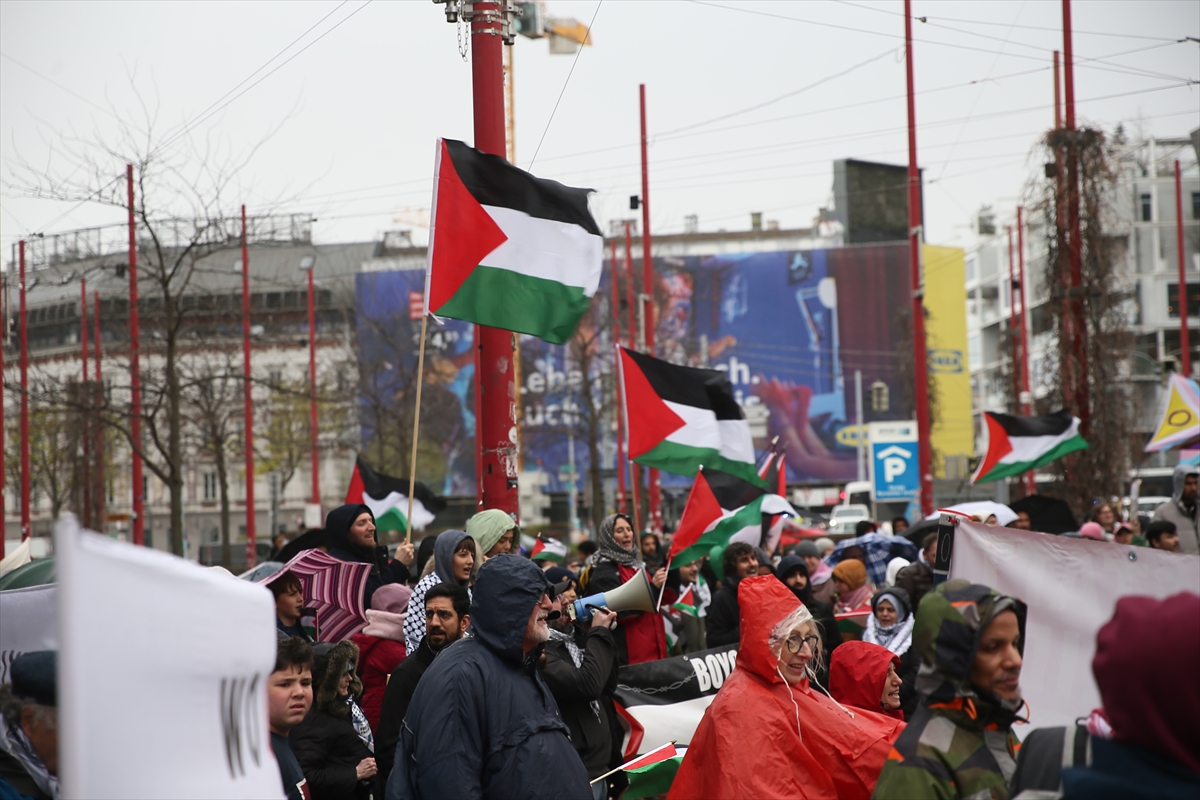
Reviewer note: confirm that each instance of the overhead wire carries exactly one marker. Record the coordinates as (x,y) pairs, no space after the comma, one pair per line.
(563,91)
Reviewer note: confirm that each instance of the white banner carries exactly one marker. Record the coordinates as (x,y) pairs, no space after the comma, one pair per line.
(1071,587)
(162,675)
(28,622)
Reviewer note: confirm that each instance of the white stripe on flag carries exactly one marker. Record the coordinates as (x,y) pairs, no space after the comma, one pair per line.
(548,249)
(702,429)
(1028,448)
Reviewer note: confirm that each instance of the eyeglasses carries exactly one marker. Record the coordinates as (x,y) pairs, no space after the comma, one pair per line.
(441,613)
(794,643)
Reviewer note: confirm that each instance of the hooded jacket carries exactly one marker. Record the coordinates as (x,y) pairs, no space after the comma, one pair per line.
(857,674)
(831,636)
(381,648)
(764,738)
(443,570)
(482,722)
(337,538)
(959,742)
(1187,523)
(584,692)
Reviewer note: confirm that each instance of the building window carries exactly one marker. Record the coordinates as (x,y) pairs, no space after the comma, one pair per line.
(210,486)
(1147,208)
(1193,300)
(1195,205)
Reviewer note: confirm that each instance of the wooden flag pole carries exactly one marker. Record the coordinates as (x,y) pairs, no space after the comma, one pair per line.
(412,463)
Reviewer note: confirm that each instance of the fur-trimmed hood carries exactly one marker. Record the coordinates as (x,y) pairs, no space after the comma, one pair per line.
(330,663)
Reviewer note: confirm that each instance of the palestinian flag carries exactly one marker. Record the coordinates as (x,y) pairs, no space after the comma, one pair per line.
(682,417)
(722,508)
(509,250)
(651,775)
(1019,444)
(545,549)
(686,603)
(387,497)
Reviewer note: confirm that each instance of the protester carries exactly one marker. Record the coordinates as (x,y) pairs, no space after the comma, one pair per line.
(1123,533)
(824,545)
(278,542)
(493,530)
(651,550)
(865,675)
(581,670)
(640,635)
(768,733)
(29,727)
(424,554)
(1183,509)
(482,722)
(899,525)
(853,591)
(454,561)
(1151,702)
(1104,516)
(351,536)
(1022,522)
(917,578)
(289,606)
(693,623)
(819,573)
(447,615)
(724,615)
(565,583)
(959,743)
(381,645)
(765,565)
(587,548)
(893,569)
(289,698)
(793,571)
(864,527)
(1162,536)
(891,625)
(1093,531)
(334,743)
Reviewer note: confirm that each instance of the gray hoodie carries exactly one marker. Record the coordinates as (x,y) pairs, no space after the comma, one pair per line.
(1187,521)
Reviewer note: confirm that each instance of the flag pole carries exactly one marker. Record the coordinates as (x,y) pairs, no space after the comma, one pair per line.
(662,589)
(412,463)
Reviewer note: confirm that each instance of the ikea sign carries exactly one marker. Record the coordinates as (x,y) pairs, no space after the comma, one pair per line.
(946,361)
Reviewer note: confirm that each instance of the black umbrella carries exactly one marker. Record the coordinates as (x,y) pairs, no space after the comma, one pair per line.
(916,533)
(306,541)
(1047,514)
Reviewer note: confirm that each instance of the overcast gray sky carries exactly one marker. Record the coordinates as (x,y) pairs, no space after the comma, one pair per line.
(357,113)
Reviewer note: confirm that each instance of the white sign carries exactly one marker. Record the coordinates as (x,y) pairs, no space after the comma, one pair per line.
(27,623)
(162,674)
(1071,587)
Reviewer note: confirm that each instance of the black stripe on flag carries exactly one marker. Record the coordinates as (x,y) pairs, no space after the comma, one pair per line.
(690,386)
(1046,425)
(731,491)
(379,486)
(494,182)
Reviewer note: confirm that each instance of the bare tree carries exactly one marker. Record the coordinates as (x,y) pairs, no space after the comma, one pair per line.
(211,390)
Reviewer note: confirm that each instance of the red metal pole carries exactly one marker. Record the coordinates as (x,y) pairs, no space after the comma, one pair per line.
(135,375)
(24,362)
(619,461)
(312,391)
(85,401)
(1023,322)
(99,396)
(1057,95)
(655,521)
(496,421)
(920,358)
(634,334)
(1080,393)
(1186,363)
(1012,321)
(250,508)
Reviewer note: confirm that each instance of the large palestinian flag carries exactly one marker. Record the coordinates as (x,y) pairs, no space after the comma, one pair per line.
(1019,444)
(681,418)
(507,249)
(722,508)
(387,497)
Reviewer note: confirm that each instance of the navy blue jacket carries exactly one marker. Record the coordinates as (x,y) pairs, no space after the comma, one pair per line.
(482,723)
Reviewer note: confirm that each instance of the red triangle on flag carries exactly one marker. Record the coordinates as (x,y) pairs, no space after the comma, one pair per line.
(701,510)
(650,419)
(354,494)
(463,233)
(998,447)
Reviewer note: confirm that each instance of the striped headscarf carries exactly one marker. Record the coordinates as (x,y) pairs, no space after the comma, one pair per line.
(609,550)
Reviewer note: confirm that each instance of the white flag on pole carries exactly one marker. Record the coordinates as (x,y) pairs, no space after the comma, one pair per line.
(162,675)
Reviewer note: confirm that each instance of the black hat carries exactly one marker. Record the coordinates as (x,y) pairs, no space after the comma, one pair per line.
(35,675)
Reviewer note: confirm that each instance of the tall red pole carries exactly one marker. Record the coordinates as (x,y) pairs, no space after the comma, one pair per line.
(99,395)
(24,362)
(619,460)
(920,358)
(86,402)
(1057,94)
(634,334)
(1023,322)
(135,375)
(655,491)
(496,429)
(1012,321)
(250,508)
(1186,362)
(312,391)
(1079,374)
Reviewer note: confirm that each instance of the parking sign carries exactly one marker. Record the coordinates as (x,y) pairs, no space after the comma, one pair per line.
(895,474)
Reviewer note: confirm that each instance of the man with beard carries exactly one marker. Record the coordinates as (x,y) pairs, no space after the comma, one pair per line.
(960,743)
(447,615)
(580,668)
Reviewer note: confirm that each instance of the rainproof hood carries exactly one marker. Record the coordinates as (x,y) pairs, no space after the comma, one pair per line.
(337,532)
(764,603)
(330,663)
(507,589)
(443,555)
(1179,476)
(488,526)
(857,673)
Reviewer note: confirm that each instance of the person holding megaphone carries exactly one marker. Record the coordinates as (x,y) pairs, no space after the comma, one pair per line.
(640,635)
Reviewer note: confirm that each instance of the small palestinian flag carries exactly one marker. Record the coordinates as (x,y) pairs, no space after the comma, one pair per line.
(722,508)
(651,775)
(1019,444)
(686,604)
(387,497)
(545,549)
(507,249)
(682,417)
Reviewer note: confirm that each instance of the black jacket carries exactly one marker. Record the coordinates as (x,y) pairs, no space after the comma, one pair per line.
(329,751)
(482,722)
(577,688)
(400,687)
(724,618)
(12,771)
(337,531)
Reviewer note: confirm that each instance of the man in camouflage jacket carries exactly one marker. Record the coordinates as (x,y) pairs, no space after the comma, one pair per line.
(960,744)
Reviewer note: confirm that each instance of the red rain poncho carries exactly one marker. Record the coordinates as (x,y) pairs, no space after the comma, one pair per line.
(764,738)
(857,672)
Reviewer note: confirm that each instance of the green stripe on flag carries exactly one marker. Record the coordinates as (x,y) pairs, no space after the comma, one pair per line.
(501,298)
(745,517)
(683,459)
(1005,469)
(392,520)
(652,780)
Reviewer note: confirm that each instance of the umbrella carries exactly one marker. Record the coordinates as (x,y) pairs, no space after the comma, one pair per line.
(916,533)
(35,573)
(880,548)
(263,570)
(1047,514)
(334,587)
(982,509)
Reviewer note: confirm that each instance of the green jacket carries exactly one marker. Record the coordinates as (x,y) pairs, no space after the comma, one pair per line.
(959,744)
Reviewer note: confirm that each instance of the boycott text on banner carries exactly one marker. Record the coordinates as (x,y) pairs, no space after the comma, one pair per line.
(1071,587)
(666,699)
(28,622)
(162,675)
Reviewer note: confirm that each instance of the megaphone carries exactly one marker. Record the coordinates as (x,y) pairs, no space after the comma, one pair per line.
(633,595)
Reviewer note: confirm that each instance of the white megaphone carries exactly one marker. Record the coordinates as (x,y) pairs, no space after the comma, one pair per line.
(633,595)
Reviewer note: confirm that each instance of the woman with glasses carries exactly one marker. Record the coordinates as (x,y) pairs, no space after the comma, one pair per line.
(770,732)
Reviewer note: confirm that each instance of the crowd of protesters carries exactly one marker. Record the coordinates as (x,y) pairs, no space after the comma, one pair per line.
(856,676)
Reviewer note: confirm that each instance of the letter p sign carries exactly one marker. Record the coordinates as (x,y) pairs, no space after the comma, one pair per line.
(893,467)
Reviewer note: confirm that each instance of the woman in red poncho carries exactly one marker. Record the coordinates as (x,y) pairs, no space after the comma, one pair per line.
(864,675)
(768,733)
